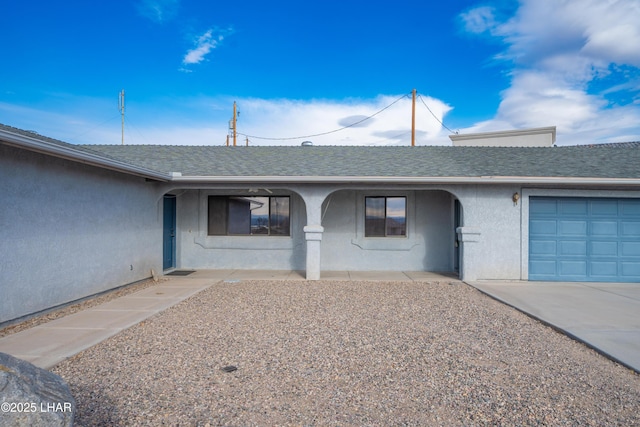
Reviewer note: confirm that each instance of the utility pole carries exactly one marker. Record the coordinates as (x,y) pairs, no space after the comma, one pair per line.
(235,118)
(121,108)
(413,118)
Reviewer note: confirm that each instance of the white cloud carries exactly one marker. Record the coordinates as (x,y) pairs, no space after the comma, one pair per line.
(479,20)
(535,99)
(203,46)
(326,122)
(158,11)
(558,49)
(205,121)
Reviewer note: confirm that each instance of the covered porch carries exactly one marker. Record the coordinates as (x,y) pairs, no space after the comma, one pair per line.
(327,232)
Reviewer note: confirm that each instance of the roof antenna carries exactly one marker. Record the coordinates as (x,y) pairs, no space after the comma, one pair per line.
(121,109)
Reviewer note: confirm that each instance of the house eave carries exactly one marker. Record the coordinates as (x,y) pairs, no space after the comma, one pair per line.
(407,180)
(75,155)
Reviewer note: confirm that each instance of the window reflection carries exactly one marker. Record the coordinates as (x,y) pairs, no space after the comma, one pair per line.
(237,215)
(385,216)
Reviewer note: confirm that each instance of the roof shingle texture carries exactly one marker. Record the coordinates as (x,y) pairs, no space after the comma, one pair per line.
(592,161)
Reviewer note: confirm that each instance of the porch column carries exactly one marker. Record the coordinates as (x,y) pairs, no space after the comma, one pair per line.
(470,256)
(314,196)
(313,235)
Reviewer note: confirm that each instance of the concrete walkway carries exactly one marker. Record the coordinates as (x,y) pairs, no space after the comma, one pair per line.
(605,316)
(50,343)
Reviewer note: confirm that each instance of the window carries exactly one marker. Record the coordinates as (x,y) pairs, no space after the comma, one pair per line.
(385,216)
(238,215)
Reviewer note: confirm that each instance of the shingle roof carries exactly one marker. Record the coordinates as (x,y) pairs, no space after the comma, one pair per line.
(595,161)
(617,160)
(632,144)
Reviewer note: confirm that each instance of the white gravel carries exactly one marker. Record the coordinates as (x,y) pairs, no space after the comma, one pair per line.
(347,353)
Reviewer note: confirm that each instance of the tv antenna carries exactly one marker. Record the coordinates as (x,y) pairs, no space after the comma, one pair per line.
(121,109)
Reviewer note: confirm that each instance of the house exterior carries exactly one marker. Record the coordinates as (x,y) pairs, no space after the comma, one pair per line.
(82,219)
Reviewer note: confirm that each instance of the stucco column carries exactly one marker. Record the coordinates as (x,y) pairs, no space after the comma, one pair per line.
(469,252)
(313,197)
(313,235)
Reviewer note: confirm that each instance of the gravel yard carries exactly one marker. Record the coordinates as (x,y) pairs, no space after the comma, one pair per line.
(346,353)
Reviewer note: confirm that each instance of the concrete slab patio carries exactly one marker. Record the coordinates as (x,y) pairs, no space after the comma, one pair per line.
(604,316)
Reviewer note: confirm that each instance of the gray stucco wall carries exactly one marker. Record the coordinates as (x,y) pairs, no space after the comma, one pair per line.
(429,243)
(70,231)
(428,246)
(197,250)
(490,211)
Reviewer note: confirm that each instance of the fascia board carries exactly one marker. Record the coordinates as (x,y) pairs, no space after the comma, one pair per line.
(406,180)
(69,153)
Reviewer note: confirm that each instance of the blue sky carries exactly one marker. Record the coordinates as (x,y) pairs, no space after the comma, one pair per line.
(297,69)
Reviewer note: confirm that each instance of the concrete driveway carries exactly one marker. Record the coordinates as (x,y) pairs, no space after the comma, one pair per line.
(605,316)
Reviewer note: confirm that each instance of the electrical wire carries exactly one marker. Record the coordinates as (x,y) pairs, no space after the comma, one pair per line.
(434,116)
(394,139)
(128,122)
(74,138)
(329,132)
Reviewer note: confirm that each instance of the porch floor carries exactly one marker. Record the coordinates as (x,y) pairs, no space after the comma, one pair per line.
(231,274)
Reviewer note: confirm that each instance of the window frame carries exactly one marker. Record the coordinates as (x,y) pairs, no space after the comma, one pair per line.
(224,212)
(385,219)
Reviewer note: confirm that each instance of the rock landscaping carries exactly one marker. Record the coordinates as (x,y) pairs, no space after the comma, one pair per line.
(333,353)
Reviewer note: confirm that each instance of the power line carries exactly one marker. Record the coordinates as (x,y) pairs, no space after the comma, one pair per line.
(394,138)
(329,132)
(434,116)
(78,135)
(135,128)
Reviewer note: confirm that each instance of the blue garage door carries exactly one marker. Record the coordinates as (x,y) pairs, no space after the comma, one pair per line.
(584,239)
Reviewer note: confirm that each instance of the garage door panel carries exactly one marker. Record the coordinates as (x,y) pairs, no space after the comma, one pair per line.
(630,208)
(584,239)
(608,208)
(631,270)
(543,227)
(604,249)
(572,207)
(543,247)
(573,248)
(604,228)
(572,268)
(543,267)
(572,228)
(630,249)
(604,269)
(544,207)
(630,228)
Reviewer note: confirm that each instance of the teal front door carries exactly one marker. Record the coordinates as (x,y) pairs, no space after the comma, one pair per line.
(584,239)
(169,233)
